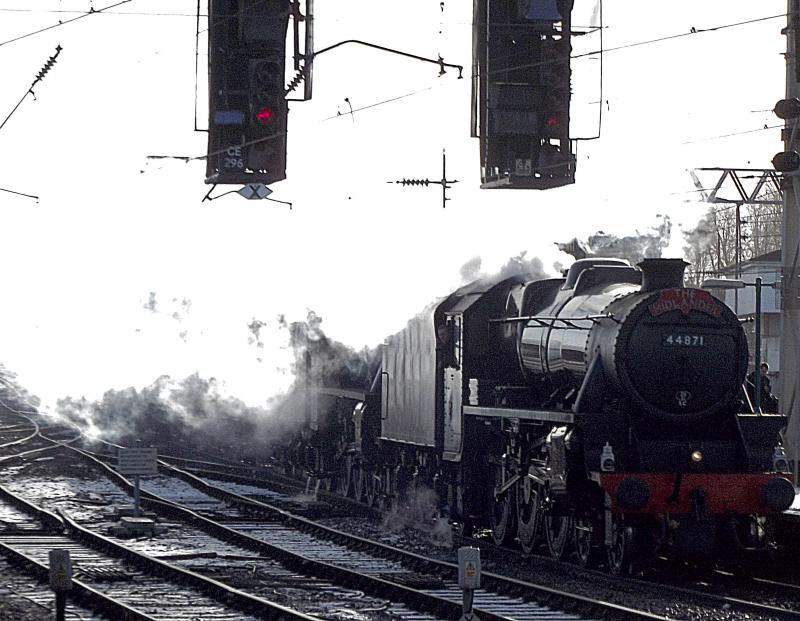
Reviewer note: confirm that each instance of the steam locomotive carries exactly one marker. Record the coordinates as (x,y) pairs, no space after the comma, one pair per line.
(598,415)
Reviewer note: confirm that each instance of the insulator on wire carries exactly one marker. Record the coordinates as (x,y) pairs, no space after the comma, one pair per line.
(295,81)
(48,65)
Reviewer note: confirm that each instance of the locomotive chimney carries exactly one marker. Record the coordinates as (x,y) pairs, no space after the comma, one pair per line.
(661,273)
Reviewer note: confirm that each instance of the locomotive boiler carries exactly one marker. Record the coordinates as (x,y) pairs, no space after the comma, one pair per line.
(600,414)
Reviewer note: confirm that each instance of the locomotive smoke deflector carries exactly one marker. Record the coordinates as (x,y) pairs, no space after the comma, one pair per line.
(661,274)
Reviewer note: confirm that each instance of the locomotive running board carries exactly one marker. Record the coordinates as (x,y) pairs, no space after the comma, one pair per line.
(541,415)
(358,395)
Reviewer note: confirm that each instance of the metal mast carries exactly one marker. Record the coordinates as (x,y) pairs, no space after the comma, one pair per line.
(790,254)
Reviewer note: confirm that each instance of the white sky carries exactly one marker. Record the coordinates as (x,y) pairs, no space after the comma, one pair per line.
(112,225)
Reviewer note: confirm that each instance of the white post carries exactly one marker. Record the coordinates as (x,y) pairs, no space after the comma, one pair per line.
(469,579)
(60,579)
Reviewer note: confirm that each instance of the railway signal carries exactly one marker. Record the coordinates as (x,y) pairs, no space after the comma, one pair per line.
(788,110)
(247,96)
(521,93)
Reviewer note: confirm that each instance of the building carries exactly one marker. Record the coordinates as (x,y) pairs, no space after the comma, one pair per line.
(743,302)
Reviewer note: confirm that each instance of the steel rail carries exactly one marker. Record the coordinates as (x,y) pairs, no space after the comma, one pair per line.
(491,581)
(714,598)
(441,606)
(280,483)
(220,592)
(372,585)
(503,584)
(80,592)
(21,440)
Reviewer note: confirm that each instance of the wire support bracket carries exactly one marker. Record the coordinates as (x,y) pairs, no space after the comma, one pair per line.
(444,181)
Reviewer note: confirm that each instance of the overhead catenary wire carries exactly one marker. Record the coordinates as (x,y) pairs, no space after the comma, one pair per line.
(593,53)
(747,131)
(603,50)
(693,31)
(93,11)
(104,12)
(19,193)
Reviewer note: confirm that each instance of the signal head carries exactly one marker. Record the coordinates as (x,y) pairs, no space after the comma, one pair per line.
(265,115)
(787,108)
(786,161)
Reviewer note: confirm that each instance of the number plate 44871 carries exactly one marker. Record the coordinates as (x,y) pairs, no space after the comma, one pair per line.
(684,340)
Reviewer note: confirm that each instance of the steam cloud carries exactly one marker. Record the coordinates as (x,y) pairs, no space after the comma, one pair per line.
(700,239)
(634,248)
(321,361)
(191,412)
(531,269)
(181,310)
(194,412)
(12,395)
(419,509)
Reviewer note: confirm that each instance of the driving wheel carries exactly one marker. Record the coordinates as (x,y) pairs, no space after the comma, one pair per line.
(558,531)
(619,552)
(503,512)
(529,513)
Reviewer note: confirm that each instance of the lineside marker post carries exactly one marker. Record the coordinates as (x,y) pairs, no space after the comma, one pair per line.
(137,462)
(469,579)
(60,579)
(137,509)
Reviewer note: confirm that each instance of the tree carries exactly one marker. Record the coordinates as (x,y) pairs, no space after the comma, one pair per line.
(711,247)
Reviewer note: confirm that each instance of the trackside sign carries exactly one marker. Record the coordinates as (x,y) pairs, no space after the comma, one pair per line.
(138,461)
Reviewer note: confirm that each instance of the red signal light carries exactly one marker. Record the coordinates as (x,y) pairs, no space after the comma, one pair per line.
(265,116)
(551,121)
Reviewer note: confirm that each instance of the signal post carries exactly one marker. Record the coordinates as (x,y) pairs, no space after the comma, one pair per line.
(247,95)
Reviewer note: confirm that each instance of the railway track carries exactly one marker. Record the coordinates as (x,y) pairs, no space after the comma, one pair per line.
(423,565)
(271,528)
(276,482)
(351,560)
(749,600)
(761,596)
(757,595)
(433,591)
(751,596)
(768,598)
(117,581)
(24,598)
(12,432)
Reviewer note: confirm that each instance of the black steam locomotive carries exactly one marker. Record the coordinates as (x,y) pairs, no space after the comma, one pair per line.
(600,412)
